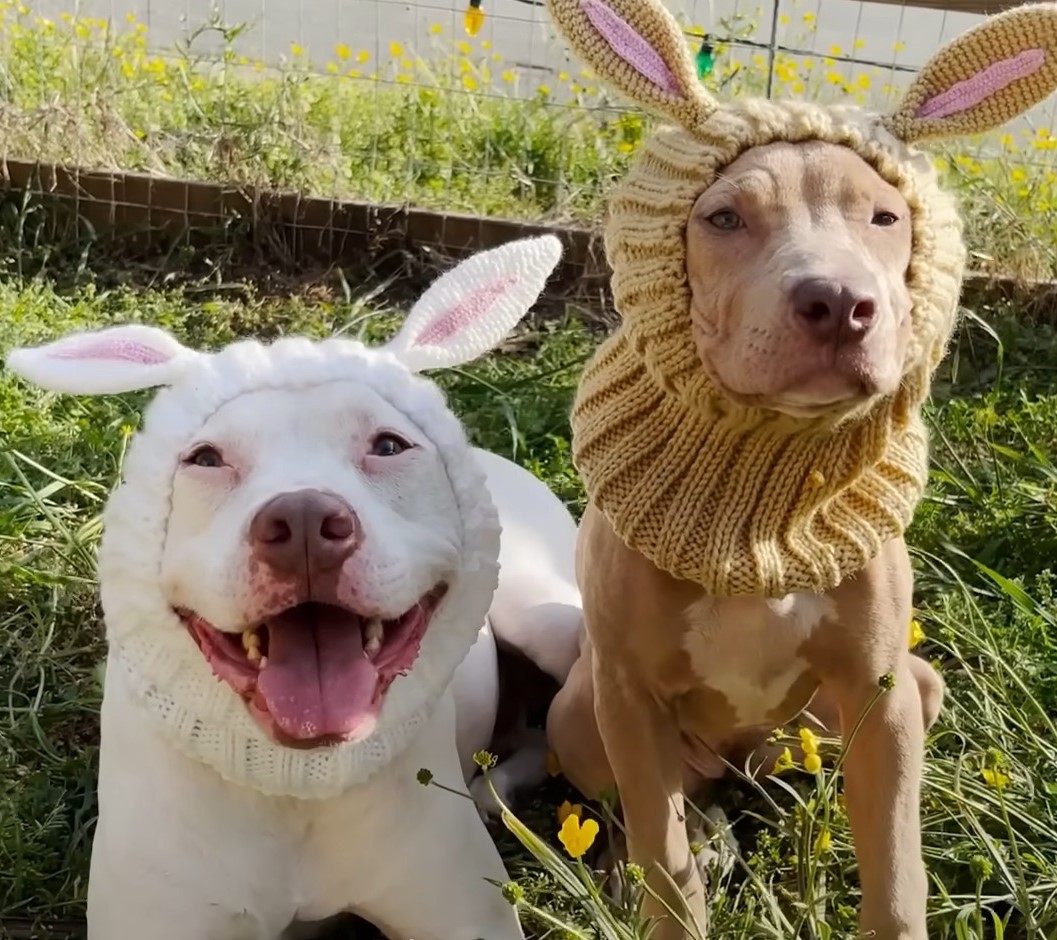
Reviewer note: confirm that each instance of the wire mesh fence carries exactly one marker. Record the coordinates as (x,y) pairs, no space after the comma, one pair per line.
(411,102)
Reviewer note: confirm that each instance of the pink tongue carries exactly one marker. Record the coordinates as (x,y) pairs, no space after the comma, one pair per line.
(318,680)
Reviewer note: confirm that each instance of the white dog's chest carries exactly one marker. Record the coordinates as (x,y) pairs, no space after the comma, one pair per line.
(749,651)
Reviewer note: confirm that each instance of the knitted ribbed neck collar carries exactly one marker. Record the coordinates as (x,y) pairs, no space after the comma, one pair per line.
(742,500)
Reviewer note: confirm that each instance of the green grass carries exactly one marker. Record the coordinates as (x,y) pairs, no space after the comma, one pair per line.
(990,515)
(452,126)
(446,128)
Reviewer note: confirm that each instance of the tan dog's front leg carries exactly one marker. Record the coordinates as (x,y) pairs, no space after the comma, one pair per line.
(643,747)
(882,780)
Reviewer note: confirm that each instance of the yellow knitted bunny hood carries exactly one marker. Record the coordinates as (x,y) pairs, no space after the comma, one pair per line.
(740,499)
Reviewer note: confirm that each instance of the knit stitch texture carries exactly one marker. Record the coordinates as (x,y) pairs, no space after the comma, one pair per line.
(742,500)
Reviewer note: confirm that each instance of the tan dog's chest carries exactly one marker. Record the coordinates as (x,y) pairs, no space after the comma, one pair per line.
(744,661)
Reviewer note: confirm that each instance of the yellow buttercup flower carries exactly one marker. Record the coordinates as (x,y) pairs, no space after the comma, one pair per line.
(994,777)
(812,763)
(577,837)
(296,49)
(808,741)
(783,763)
(917,634)
(396,50)
(568,809)
(342,51)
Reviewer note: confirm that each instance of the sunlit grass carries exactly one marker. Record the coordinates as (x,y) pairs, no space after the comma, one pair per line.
(453,125)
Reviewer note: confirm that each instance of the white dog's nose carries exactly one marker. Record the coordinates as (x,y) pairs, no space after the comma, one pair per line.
(305,532)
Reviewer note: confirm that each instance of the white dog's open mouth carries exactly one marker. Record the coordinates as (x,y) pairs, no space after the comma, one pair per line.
(315,674)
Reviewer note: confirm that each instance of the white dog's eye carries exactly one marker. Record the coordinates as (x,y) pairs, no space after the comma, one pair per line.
(884,219)
(204,456)
(388,445)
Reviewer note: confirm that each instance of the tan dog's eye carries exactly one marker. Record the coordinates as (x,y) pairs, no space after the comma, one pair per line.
(204,455)
(884,219)
(388,445)
(725,220)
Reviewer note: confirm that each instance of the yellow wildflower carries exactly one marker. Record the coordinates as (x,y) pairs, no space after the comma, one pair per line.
(834,50)
(568,809)
(576,837)
(808,741)
(296,49)
(363,56)
(332,67)
(859,43)
(994,777)
(130,17)
(917,634)
(469,82)
(823,842)
(784,762)
(464,47)
(809,17)
(395,49)
(812,763)
(342,51)
(509,76)
(436,29)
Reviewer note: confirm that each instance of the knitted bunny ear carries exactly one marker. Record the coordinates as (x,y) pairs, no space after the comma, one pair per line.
(473,307)
(104,362)
(638,47)
(984,78)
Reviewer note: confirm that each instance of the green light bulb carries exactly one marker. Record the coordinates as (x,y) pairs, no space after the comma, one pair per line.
(705,58)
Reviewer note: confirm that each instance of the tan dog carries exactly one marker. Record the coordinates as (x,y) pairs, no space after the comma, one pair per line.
(752,446)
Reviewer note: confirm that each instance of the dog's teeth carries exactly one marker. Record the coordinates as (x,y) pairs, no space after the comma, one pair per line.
(253,654)
(373,633)
(250,640)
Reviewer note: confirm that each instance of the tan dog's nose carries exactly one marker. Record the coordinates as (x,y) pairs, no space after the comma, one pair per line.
(833,311)
(304,532)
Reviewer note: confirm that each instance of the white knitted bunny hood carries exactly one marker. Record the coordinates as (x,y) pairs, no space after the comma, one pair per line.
(462,316)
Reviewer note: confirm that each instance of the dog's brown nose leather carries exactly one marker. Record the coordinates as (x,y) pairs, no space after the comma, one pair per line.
(832,310)
(305,532)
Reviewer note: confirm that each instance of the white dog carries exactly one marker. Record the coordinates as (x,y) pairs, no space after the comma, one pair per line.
(299,557)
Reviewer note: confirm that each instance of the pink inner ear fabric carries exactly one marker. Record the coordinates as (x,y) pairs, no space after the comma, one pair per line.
(470,308)
(630,45)
(106,348)
(983,85)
